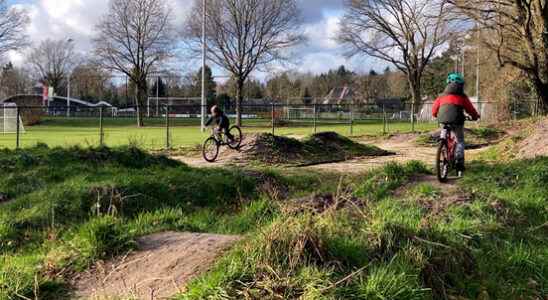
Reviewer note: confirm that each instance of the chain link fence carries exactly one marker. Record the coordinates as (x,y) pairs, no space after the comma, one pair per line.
(174,124)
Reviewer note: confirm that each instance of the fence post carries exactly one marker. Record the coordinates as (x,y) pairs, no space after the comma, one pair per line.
(101,133)
(413,116)
(273,117)
(351,121)
(315,118)
(383,120)
(17,112)
(167,128)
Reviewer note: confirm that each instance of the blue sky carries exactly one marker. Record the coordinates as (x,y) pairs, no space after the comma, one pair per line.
(60,19)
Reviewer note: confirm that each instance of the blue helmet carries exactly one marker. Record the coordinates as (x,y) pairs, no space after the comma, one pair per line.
(455,78)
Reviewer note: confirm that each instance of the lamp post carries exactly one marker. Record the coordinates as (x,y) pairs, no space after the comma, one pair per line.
(478,61)
(69,41)
(204,104)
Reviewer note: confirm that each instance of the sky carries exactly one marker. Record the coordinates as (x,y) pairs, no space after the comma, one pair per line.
(75,19)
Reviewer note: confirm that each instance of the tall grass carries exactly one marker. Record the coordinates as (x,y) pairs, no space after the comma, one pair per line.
(378,235)
(65,208)
(393,246)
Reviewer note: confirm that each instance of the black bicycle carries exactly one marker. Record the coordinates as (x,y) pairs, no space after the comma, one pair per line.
(212,145)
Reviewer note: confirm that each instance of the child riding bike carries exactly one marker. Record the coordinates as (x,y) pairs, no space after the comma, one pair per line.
(221,122)
(450,108)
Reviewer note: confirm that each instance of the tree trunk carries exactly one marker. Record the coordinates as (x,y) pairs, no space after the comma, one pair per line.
(416,95)
(239,98)
(139,104)
(541,90)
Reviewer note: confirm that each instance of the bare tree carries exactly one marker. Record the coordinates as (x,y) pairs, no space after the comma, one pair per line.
(242,35)
(52,60)
(133,37)
(13,81)
(517,31)
(405,33)
(13,23)
(89,82)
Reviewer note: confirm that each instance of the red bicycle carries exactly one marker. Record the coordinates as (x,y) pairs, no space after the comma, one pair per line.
(445,157)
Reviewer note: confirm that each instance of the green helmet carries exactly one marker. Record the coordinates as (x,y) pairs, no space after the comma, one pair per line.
(455,77)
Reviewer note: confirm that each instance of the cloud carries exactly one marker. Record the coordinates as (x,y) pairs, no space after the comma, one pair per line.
(321,62)
(314,10)
(322,34)
(74,19)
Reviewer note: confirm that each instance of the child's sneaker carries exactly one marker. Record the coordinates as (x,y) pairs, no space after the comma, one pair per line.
(459,165)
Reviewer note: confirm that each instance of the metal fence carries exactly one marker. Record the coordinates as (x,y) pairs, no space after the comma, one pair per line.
(172,126)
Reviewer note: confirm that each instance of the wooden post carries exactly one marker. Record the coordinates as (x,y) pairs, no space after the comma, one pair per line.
(101,133)
(315,118)
(413,116)
(351,121)
(273,117)
(168,146)
(383,119)
(17,130)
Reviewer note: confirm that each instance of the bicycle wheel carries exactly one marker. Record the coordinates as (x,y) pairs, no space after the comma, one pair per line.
(442,162)
(210,149)
(236,132)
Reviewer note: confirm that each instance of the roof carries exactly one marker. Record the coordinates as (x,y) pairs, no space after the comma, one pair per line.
(85,103)
(339,95)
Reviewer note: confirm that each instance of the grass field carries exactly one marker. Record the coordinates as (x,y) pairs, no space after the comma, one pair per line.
(122,131)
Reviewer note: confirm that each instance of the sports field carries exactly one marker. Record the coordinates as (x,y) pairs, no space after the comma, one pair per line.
(84,132)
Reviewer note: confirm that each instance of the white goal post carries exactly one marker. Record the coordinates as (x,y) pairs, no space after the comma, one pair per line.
(8,119)
(299,113)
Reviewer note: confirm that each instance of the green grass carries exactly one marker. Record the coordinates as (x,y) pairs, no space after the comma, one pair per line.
(68,208)
(494,246)
(84,132)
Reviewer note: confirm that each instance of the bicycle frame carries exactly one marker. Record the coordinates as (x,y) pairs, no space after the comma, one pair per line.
(219,136)
(447,136)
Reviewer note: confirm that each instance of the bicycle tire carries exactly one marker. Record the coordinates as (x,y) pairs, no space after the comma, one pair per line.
(237,134)
(210,142)
(442,164)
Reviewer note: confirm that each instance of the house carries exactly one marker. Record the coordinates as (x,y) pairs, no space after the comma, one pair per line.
(58,106)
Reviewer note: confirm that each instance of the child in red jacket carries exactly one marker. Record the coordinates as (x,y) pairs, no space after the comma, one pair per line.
(450,108)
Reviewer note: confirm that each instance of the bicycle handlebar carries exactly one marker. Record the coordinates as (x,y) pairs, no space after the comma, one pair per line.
(470,119)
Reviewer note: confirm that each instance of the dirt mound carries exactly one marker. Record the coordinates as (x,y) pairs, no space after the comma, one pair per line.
(160,268)
(536,144)
(437,201)
(319,148)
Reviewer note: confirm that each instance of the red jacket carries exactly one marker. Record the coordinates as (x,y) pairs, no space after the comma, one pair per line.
(455,100)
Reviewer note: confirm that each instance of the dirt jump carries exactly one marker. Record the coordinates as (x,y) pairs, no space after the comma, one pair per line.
(158,269)
(268,149)
(536,144)
(332,152)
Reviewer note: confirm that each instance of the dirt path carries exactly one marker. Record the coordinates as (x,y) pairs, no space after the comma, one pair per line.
(160,268)
(448,195)
(403,145)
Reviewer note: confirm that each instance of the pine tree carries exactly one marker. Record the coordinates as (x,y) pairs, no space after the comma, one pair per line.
(210,84)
